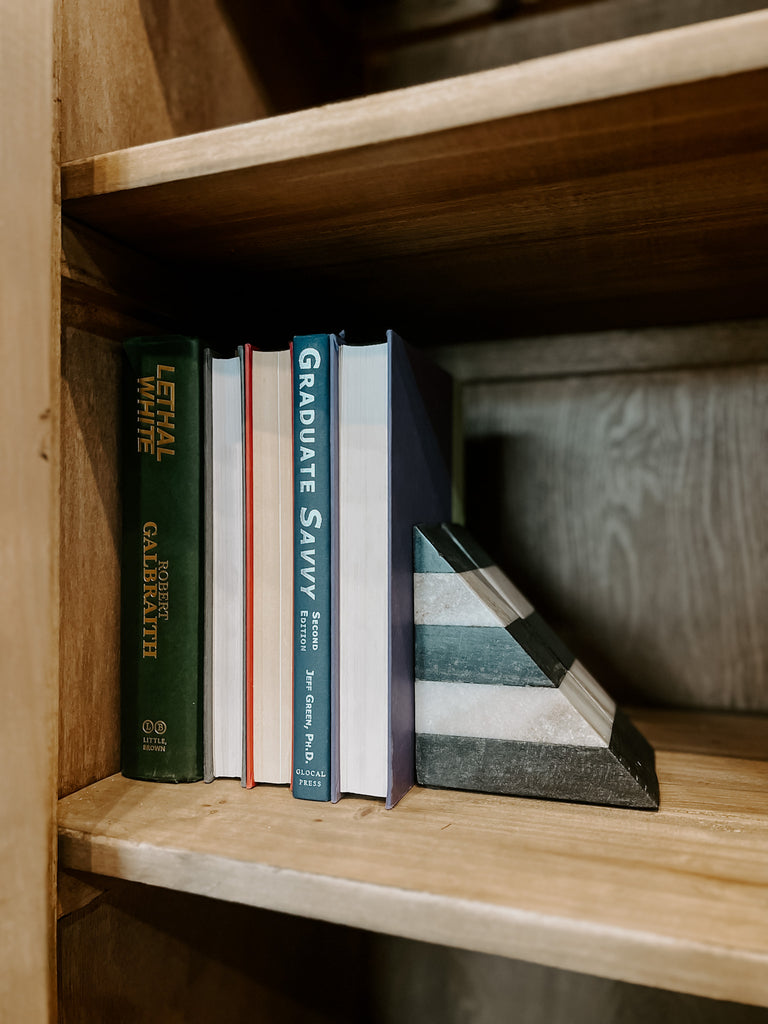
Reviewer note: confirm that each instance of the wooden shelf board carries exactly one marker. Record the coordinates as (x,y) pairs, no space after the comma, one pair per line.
(674,57)
(677,899)
(612,184)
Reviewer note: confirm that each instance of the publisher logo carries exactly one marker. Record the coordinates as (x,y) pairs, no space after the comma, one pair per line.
(159,727)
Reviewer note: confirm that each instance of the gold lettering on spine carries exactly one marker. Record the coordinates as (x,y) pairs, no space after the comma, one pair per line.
(145,414)
(156,413)
(166,416)
(162,590)
(149,620)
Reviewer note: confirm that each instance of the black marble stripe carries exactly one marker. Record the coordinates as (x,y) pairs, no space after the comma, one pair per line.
(542,645)
(620,775)
(634,751)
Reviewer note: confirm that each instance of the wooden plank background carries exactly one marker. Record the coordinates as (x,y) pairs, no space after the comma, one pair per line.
(403,46)
(629,508)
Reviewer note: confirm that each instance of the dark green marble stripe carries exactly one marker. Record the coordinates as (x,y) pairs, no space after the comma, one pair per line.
(594,775)
(475,654)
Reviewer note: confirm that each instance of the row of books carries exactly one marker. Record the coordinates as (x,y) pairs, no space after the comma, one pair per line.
(267,599)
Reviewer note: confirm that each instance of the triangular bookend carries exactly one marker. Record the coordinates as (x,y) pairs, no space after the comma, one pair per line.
(502,706)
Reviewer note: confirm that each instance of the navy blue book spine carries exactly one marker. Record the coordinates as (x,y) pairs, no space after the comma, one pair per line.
(314,635)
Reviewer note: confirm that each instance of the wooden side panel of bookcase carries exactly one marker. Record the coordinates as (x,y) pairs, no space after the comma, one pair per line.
(28,468)
(89,743)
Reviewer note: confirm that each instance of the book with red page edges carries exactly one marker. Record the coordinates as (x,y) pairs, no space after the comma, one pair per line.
(272,564)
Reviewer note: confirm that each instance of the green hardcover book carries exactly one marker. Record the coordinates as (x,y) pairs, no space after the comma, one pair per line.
(162,564)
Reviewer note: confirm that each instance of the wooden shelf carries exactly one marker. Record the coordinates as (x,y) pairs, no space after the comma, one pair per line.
(619,184)
(677,899)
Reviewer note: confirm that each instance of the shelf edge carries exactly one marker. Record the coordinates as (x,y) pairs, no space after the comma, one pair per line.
(671,57)
(697,968)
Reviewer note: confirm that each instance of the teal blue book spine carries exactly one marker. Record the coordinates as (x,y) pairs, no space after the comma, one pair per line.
(314,366)
(162,561)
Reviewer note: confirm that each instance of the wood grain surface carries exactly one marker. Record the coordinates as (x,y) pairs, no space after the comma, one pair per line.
(134,71)
(113,280)
(113,292)
(628,510)
(675,899)
(529,30)
(89,743)
(704,732)
(28,513)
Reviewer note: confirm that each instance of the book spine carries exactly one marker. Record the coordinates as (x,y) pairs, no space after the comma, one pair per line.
(208,566)
(314,439)
(162,562)
(245,353)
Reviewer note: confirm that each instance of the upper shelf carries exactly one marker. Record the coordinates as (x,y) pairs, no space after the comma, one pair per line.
(620,183)
(676,899)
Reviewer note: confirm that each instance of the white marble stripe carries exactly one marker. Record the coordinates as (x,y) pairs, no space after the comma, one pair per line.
(532,714)
(458,599)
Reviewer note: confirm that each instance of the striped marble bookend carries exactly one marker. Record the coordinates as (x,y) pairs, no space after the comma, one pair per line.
(502,706)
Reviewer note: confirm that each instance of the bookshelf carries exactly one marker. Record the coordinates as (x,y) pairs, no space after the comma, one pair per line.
(602,211)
